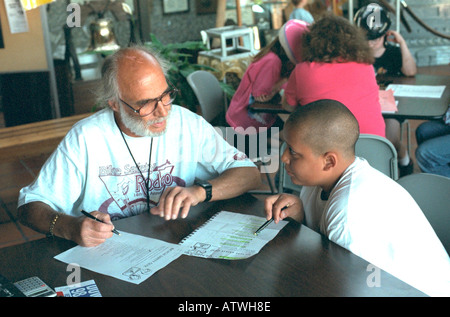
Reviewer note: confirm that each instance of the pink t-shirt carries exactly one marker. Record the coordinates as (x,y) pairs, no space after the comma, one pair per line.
(352,84)
(258,79)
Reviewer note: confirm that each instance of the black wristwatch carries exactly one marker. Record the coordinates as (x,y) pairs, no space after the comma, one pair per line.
(207,186)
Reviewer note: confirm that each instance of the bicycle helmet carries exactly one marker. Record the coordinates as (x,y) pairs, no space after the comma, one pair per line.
(374,19)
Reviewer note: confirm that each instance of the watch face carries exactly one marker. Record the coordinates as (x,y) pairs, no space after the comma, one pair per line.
(204,184)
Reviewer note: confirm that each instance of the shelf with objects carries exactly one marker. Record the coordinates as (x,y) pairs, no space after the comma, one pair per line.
(237,46)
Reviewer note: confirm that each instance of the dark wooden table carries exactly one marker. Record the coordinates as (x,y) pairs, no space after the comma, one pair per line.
(267,107)
(297,262)
(408,107)
(421,108)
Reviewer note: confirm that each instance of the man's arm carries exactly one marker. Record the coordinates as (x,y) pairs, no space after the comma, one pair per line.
(231,183)
(234,182)
(82,230)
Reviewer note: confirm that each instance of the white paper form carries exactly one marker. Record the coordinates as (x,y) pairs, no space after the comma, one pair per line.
(420,91)
(230,235)
(127,257)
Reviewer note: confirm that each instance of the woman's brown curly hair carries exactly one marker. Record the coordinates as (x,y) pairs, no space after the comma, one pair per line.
(334,39)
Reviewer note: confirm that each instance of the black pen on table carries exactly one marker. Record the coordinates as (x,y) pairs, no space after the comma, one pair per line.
(268,222)
(96,219)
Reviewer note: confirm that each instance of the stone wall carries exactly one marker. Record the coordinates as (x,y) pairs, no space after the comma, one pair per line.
(427,48)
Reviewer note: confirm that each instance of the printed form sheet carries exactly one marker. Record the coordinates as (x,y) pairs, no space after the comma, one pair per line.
(419,91)
(230,235)
(128,257)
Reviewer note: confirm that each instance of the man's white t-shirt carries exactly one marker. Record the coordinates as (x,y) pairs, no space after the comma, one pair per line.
(92,169)
(375,218)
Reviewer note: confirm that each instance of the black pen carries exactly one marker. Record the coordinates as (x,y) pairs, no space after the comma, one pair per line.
(268,222)
(96,219)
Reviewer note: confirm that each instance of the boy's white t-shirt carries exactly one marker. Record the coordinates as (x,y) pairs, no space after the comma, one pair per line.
(92,169)
(376,218)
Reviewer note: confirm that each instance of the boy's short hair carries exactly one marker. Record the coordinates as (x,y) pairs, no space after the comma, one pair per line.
(325,125)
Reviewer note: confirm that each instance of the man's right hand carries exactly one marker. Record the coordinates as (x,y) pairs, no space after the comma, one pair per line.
(92,233)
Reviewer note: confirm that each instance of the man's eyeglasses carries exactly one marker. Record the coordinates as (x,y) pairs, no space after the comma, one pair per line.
(150,105)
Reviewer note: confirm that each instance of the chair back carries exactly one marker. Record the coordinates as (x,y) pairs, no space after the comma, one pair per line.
(285,183)
(379,152)
(212,101)
(209,94)
(431,193)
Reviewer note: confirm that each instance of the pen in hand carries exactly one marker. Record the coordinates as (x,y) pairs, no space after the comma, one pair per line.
(268,222)
(96,219)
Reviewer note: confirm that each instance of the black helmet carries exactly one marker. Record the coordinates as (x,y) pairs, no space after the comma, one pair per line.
(374,19)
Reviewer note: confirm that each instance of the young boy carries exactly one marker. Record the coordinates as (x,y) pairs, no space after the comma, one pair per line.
(353,204)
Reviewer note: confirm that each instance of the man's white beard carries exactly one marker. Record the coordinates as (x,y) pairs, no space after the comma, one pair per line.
(138,126)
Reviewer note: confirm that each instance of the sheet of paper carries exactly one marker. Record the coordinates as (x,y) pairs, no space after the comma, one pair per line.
(230,235)
(127,257)
(387,101)
(421,91)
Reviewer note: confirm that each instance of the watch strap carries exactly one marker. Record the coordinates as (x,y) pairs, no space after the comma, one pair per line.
(207,187)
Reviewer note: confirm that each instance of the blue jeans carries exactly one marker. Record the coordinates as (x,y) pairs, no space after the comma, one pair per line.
(433,151)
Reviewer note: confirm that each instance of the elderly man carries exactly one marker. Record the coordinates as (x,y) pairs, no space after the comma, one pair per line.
(140,153)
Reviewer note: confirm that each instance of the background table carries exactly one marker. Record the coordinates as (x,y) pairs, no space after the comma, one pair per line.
(267,107)
(421,108)
(408,107)
(297,262)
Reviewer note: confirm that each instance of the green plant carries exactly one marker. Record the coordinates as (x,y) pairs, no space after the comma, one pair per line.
(182,63)
(181,57)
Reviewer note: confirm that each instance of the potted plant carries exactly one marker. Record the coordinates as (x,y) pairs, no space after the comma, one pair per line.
(182,62)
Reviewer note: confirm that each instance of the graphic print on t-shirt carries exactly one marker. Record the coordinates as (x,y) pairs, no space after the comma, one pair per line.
(128,189)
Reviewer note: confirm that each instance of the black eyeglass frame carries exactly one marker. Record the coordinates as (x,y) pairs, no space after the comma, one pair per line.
(171,89)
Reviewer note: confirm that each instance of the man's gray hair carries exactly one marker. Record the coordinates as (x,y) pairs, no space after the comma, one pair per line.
(108,88)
